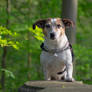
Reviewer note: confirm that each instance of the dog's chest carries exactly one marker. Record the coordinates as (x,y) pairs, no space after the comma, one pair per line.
(53,62)
(53,58)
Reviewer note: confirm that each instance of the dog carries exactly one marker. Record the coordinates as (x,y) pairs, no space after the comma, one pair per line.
(56,57)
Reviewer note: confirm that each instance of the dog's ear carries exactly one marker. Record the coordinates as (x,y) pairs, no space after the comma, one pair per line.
(39,23)
(68,22)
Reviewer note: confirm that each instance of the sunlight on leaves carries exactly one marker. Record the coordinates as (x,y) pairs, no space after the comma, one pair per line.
(37,33)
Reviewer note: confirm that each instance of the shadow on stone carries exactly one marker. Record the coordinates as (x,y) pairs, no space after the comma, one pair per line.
(26,88)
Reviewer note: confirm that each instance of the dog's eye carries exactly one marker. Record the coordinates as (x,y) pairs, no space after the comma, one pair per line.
(47,25)
(58,25)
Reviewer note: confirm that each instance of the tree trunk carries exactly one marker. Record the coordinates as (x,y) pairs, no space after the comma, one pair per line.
(28,36)
(69,10)
(3,61)
(3,67)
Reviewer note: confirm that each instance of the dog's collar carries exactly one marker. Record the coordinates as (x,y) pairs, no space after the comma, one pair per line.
(44,48)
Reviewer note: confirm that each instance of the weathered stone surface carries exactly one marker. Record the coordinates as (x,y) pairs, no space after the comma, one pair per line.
(55,86)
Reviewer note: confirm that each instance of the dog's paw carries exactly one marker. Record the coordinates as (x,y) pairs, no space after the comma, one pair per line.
(69,79)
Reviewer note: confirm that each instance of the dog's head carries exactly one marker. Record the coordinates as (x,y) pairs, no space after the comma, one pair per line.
(53,28)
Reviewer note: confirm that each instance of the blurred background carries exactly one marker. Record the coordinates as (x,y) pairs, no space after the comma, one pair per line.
(20,44)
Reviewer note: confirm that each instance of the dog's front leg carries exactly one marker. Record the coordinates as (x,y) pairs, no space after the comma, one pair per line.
(69,72)
(46,74)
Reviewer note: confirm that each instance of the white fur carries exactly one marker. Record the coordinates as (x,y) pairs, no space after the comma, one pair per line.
(53,64)
(53,20)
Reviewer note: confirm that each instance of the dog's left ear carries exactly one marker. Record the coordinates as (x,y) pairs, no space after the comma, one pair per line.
(39,23)
(68,22)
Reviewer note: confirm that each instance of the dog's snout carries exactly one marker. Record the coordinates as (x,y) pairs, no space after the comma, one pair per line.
(52,36)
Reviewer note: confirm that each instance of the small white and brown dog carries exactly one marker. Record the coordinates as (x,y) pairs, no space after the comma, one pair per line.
(56,57)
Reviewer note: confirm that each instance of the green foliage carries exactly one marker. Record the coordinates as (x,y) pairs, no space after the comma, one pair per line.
(7,38)
(23,39)
(83,62)
(8,73)
(83,48)
(37,33)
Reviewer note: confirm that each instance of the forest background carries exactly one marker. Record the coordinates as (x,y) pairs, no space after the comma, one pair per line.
(20,44)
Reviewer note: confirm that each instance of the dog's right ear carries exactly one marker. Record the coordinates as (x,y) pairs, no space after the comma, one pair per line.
(39,23)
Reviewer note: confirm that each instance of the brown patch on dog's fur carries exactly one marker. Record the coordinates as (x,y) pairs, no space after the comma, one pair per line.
(63,22)
(62,31)
(68,22)
(59,21)
(44,32)
(41,24)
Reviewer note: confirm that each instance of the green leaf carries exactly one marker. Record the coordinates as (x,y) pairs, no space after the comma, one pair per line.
(37,33)
(8,73)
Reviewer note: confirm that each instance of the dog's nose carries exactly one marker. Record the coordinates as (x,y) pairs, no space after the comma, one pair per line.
(52,36)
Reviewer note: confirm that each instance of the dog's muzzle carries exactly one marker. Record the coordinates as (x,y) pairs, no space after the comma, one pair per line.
(52,36)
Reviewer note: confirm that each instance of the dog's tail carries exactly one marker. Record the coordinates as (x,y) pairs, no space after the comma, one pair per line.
(62,73)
